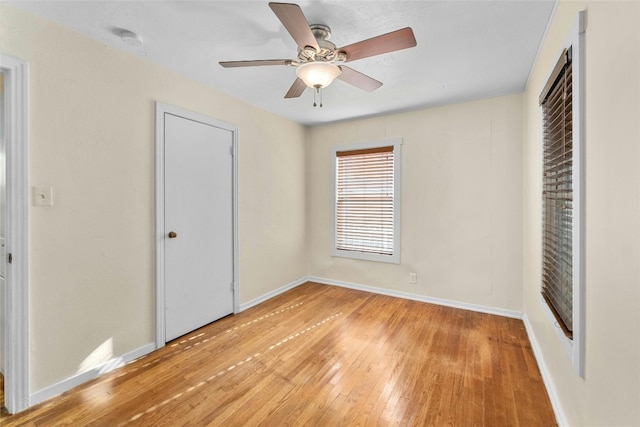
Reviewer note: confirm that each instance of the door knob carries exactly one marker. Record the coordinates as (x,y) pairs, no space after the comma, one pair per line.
(172,235)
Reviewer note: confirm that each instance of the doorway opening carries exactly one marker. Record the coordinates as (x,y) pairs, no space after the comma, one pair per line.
(14,216)
(2,234)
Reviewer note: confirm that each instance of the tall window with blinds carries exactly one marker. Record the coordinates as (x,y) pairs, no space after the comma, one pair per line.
(557,193)
(366,204)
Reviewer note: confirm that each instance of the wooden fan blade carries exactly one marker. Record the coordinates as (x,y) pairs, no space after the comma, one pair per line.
(294,21)
(357,79)
(296,89)
(256,63)
(385,43)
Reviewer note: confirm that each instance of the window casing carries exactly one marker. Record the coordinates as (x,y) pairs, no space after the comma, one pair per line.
(366,201)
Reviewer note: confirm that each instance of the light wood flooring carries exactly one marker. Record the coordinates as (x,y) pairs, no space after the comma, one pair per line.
(321,356)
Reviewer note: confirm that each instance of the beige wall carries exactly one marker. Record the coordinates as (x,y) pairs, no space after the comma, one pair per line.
(461,202)
(609,395)
(91,137)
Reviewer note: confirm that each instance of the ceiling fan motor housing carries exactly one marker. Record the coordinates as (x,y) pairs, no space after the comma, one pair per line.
(327,52)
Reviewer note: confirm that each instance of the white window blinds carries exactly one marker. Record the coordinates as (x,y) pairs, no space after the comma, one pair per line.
(365,200)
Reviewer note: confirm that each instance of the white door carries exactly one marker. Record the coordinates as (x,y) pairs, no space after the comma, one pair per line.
(198,219)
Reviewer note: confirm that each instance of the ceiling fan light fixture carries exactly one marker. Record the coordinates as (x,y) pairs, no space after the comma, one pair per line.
(318,75)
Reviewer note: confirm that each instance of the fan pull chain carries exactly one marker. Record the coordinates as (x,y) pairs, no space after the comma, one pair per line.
(318,90)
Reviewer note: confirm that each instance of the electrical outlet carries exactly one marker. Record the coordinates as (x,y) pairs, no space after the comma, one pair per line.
(413,278)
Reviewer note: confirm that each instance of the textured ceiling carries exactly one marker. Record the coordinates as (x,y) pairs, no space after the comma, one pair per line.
(466,49)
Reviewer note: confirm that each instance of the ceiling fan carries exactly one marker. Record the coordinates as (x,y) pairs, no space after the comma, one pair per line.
(315,64)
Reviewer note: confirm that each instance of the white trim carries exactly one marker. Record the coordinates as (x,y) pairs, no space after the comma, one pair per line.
(579,231)
(273,293)
(547,378)
(76,380)
(159,230)
(236,225)
(161,109)
(397,294)
(575,349)
(16,309)
(422,298)
(397,202)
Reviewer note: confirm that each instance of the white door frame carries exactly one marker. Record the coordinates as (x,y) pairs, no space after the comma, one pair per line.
(161,109)
(16,309)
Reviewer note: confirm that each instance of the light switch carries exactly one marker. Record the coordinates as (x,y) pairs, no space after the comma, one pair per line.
(43,196)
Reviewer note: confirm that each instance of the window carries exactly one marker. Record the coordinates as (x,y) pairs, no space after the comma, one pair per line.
(366,201)
(562,107)
(557,193)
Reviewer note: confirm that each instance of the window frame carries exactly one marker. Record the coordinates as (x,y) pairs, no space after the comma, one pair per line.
(396,143)
(575,347)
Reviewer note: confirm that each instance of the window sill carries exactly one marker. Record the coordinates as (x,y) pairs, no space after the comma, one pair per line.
(391,259)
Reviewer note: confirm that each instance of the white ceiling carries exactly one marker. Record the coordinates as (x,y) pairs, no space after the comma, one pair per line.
(466,49)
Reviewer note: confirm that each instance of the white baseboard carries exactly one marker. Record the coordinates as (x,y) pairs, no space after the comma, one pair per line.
(415,297)
(272,294)
(69,383)
(546,375)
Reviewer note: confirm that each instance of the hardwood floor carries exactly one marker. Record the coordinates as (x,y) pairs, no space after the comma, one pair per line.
(325,356)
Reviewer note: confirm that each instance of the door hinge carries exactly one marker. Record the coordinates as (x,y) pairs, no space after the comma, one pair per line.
(10,258)
(231,150)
